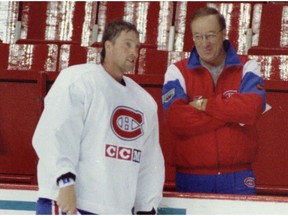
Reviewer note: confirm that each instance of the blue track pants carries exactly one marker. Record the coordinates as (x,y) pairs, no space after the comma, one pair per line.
(232,183)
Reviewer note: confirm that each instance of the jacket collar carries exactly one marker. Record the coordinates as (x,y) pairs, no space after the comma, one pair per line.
(231,56)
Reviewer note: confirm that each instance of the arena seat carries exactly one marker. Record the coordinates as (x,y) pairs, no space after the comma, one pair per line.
(237,15)
(183,36)
(23,70)
(38,57)
(273,67)
(19,114)
(58,22)
(76,54)
(155,62)
(175,56)
(270,29)
(9,11)
(152,19)
(152,61)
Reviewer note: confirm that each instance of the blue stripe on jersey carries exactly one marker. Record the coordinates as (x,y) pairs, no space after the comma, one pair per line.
(252,83)
(172,91)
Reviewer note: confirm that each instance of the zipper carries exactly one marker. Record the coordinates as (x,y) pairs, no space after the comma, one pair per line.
(213,93)
(216,140)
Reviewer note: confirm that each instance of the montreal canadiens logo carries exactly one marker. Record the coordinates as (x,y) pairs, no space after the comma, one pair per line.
(249,182)
(168,96)
(229,93)
(127,123)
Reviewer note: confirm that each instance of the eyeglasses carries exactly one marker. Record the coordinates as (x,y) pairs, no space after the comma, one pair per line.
(210,36)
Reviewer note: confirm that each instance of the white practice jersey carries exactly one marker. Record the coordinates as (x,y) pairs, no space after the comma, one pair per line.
(107,135)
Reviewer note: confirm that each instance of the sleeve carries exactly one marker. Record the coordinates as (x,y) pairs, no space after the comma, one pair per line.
(181,118)
(57,137)
(152,172)
(247,104)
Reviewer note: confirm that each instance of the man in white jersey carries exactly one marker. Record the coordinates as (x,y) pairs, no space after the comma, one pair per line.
(98,137)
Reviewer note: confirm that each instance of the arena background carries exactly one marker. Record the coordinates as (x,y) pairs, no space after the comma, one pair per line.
(39,39)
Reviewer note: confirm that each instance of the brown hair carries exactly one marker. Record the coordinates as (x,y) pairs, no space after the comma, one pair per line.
(113,30)
(206,11)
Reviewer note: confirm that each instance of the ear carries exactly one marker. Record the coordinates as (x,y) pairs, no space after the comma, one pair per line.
(108,46)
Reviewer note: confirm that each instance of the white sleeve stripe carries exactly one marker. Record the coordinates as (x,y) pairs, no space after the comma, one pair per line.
(251,66)
(173,73)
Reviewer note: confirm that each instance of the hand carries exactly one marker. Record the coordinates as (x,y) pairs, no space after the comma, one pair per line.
(199,104)
(66,200)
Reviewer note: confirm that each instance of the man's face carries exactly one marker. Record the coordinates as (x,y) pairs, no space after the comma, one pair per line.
(208,38)
(123,52)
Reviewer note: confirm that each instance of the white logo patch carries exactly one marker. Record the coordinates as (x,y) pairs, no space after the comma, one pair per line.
(168,96)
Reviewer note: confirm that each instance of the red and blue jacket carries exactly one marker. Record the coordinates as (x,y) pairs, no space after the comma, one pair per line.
(222,138)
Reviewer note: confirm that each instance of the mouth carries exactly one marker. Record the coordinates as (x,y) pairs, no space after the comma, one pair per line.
(131,61)
(207,50)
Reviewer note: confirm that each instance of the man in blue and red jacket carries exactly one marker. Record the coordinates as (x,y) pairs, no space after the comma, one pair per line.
(211,102)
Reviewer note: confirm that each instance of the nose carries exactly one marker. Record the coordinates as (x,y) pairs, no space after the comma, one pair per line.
(135,51)
(204,40)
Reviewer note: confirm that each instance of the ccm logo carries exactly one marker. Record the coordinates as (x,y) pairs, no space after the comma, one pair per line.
(123,153)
